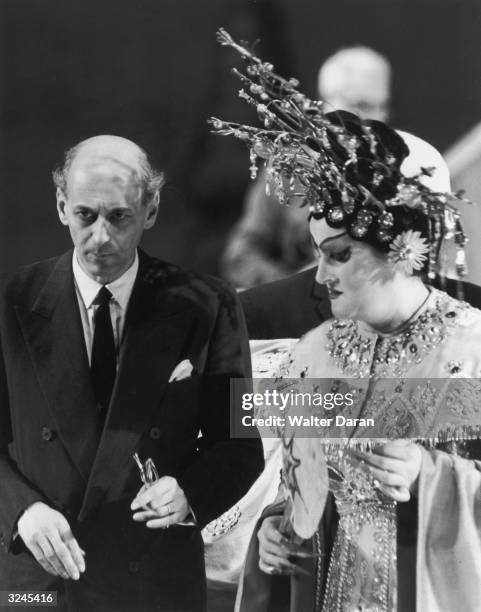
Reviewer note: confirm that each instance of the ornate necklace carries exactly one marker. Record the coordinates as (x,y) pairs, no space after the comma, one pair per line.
(360,354)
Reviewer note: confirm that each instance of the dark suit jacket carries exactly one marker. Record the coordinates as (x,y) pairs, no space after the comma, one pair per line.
(52,447)
(290,307)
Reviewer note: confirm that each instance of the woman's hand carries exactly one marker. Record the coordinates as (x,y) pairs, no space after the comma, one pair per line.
(395,466)
(275,550)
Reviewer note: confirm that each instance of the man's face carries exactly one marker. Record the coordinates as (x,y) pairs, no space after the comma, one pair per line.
(105,215)
(361,86)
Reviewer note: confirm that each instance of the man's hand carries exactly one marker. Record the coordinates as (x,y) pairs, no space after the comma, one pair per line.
(161,504)
(47,534)
(396,466)
(275,551)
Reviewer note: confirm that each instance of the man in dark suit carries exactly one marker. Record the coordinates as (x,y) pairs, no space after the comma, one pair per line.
(106,351)
(290,307)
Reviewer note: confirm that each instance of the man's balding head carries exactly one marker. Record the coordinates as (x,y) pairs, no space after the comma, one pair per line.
(115,150)
(357,79)
(107,195)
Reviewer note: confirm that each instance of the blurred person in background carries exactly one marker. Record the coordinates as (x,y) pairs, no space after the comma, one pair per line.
(270,242)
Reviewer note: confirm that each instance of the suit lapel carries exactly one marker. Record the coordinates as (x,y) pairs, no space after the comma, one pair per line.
(157,326)
(53,332)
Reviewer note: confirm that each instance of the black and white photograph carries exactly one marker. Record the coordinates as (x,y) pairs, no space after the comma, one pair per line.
(240,305)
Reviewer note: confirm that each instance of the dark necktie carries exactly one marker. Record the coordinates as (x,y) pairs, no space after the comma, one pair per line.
(103,362)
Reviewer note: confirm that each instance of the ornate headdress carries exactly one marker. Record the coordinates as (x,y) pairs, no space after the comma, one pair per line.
(346,169)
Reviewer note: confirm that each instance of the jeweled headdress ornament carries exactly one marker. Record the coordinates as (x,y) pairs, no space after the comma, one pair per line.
(347,170)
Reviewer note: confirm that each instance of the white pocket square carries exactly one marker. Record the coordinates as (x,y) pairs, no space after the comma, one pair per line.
(181,370)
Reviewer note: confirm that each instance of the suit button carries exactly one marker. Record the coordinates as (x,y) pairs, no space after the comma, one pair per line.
(154,433)
(134,567)
(47,434)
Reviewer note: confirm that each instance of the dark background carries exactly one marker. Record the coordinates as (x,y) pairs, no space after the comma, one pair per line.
(150,70)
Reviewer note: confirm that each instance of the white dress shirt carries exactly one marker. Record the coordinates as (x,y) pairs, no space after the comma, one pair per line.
(87,289)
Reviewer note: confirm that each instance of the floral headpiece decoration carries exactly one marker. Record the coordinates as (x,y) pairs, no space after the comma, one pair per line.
(347,170)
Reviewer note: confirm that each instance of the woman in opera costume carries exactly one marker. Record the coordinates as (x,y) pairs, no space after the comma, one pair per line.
(386,517)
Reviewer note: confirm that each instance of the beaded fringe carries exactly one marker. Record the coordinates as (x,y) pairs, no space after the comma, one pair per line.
(458,433)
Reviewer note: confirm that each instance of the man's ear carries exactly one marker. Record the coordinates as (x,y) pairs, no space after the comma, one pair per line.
(61,203)
(152,211)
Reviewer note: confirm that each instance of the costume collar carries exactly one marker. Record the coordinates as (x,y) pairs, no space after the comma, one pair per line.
(362,353)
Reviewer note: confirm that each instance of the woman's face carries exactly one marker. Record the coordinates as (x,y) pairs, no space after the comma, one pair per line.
(357,276)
